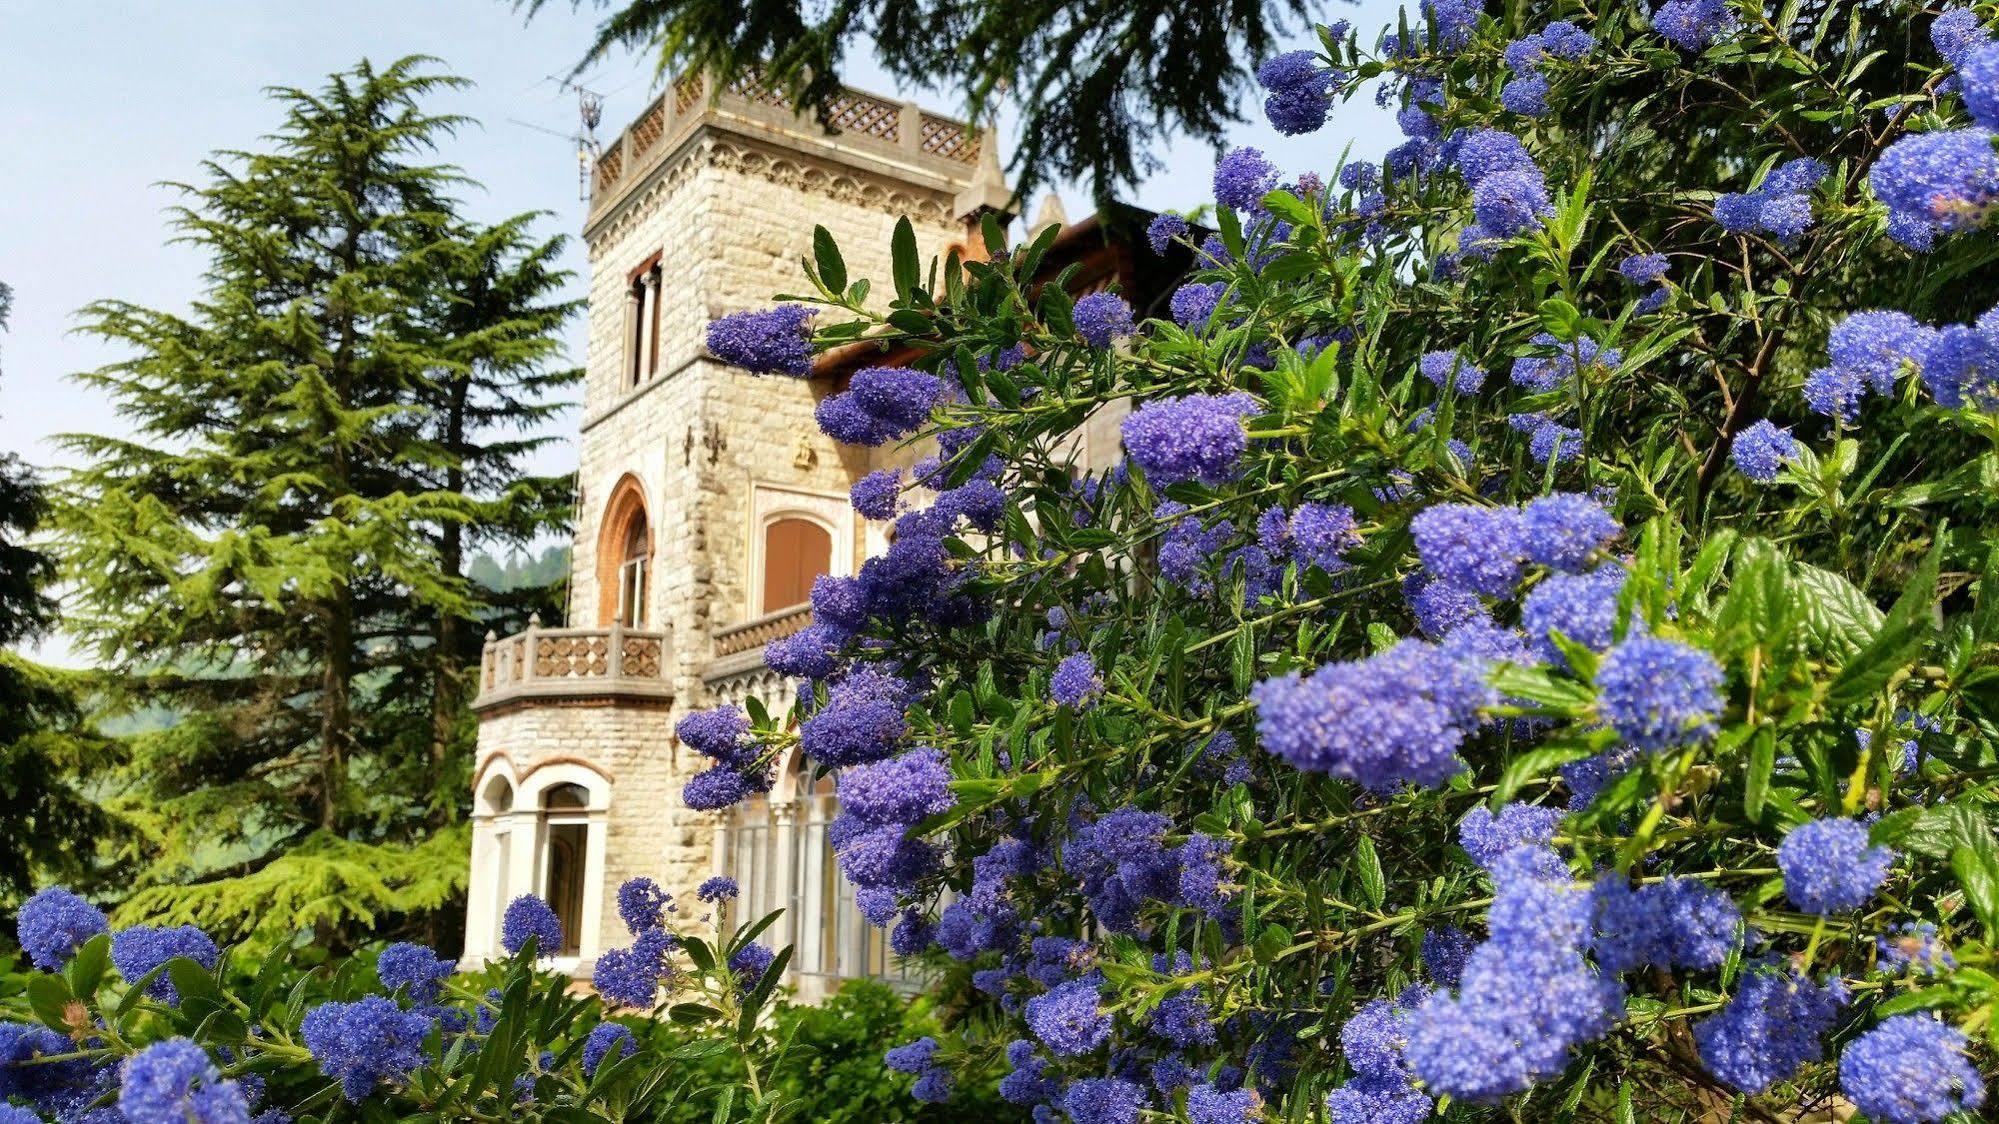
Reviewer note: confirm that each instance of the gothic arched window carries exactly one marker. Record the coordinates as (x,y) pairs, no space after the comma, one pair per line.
(795,551)
(624,559)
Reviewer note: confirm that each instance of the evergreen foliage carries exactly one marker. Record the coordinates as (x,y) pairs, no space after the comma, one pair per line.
(1097,84)
(47,823)
(277,554)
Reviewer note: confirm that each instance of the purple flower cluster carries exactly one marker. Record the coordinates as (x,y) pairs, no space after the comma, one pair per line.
(880,803)
(1770,1028)
(142,948)
(919,1058)
(1694,25)
(1122,862)
(1527,996)
(1194,303)
(1676,923)
(1102,319)
(1475,548)
(1762,450)
(174,1080)
(1582,608)
(415,969)
(1298,87)
(527,917)
(1509,192)
(878,494)
(1911,1069)
(1868,353)
(1487,837)
(880,404)
(1069,1018)
(1658,693)
(1163,229)
(1544,373)
(862,719)
(1388,720)
(1382,1089)
(1450,370)
(606,1042)
(1780,206)
(767,341)
(1830,868)
(54,923)
(364,1043)
(1937,183)
(1076,683)
(1243,178)
(1197,437)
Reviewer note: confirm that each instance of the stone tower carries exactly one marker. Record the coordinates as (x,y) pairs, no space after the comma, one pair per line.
(707,501)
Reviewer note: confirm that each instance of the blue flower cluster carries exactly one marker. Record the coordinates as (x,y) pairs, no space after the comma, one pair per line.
(1830,868)
(1298,87)
(919,1058)
(528,917)
(766,341)
(879,803)
(1911,1069)
(606,1042)
(1197,437)
(1527,92)
(1694,25)
(54,923)
(1382,1089)
(1076,683)
(364,1043)
(1770,1028)
(143,948)
(415,969)
(1509,191)
(1391,719)
(1102,318)
(175,1082)
(1762,450)
(880,404)
(1780,206)
(1659,693)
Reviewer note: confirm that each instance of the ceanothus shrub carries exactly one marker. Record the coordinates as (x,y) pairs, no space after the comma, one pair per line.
(1538,654)
(151,1026)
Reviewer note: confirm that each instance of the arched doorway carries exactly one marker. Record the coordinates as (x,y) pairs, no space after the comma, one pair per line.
(565,858)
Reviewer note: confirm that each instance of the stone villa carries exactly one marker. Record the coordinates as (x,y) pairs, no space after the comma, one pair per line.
(708,502)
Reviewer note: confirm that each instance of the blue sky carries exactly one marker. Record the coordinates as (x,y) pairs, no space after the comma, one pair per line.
(106,100)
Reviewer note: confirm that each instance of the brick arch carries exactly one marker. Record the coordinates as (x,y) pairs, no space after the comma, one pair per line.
(624,511)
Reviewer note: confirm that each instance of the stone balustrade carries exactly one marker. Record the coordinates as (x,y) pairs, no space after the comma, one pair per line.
(761,631)
(575,663)
(900,131)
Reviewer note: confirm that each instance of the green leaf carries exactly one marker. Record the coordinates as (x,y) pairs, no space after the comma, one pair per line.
(905,266)
(49,997)
(1535,763)
(1899,640)
(85,971)
(1762,759)
(1976,864)
(826,254)
(1367,867)
(1839,617)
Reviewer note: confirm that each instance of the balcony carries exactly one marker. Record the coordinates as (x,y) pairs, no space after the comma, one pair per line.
(900,132)
(574,664)
(739,649)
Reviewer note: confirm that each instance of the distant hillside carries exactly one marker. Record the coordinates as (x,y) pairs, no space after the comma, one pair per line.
(521,571)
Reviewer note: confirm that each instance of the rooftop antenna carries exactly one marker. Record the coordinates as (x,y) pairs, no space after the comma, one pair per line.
(589,114)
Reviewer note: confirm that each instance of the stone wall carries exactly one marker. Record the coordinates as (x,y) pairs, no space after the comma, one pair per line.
(731,215)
